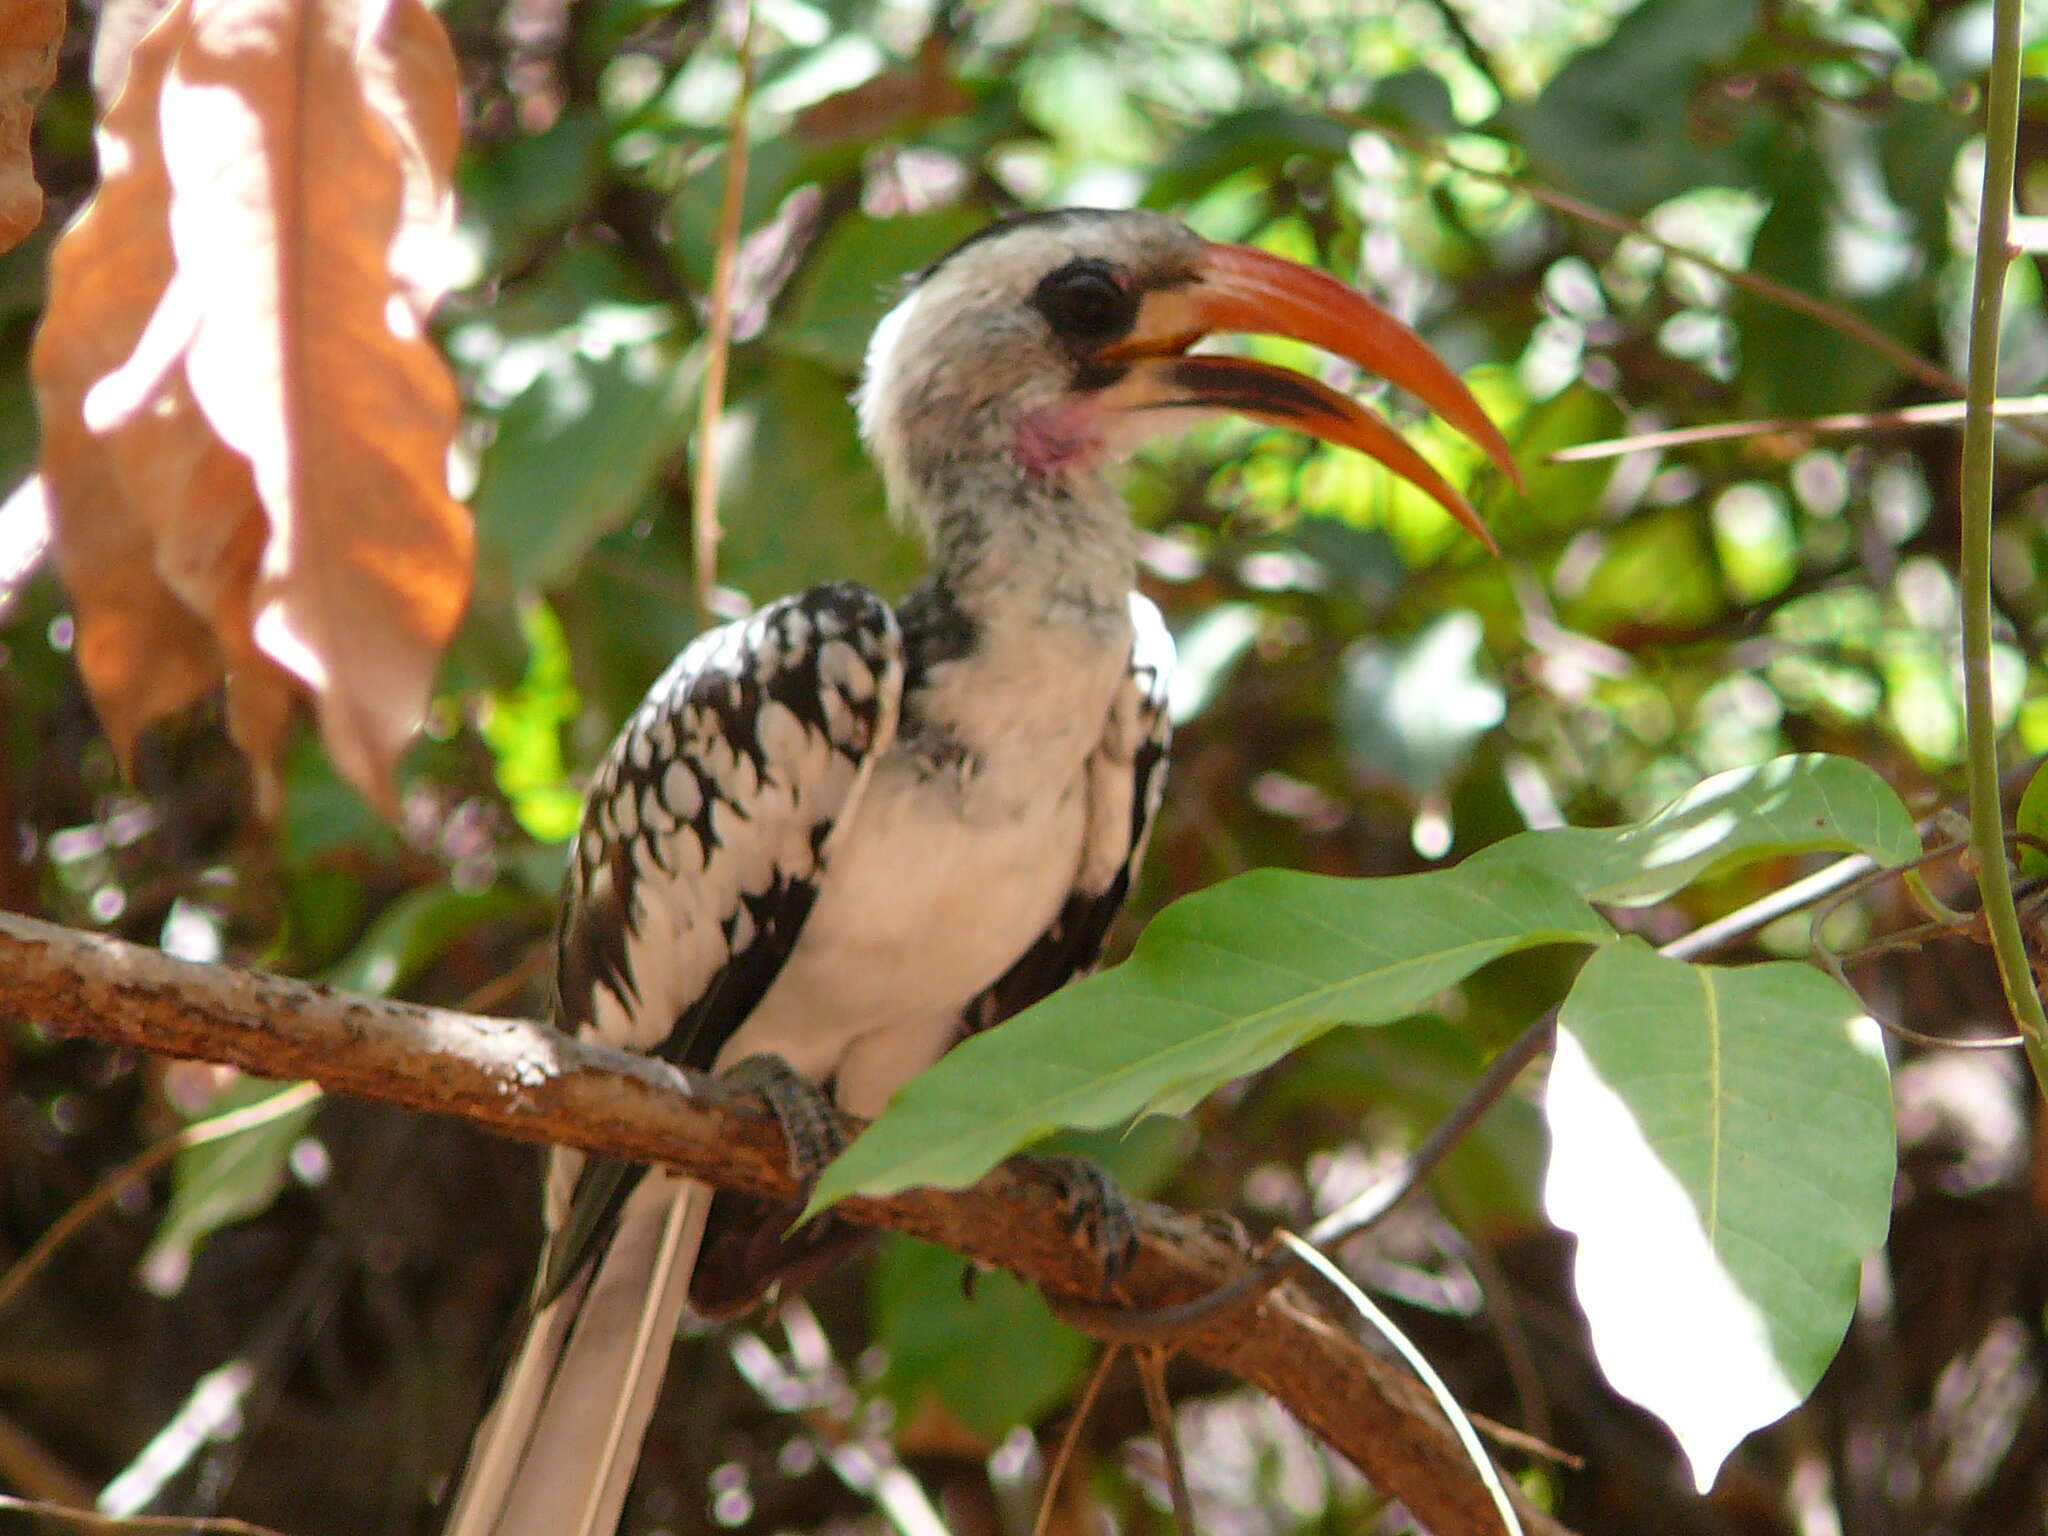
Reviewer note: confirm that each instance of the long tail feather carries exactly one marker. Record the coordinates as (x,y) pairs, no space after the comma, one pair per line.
(555,1455)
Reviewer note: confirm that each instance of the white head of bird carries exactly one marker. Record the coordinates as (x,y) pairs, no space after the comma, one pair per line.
(1048,345)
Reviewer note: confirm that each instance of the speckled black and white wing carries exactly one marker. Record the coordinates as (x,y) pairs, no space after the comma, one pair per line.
(1126,781)
(711,821)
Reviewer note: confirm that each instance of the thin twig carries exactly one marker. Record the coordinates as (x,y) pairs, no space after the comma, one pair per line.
(1768,908)
(1373,1205)
(118,1525)
(144,1163)
(1418,1362)
(1937,413)
(1151,1361)
(1072,1437)
(37,1471)
(1987,815)
(718,339)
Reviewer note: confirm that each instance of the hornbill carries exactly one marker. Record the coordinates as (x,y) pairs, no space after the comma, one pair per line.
(838,835)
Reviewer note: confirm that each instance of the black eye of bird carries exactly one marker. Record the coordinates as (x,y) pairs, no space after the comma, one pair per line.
(1086,301)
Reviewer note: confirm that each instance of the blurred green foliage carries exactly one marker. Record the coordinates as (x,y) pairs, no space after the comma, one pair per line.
(1660,615)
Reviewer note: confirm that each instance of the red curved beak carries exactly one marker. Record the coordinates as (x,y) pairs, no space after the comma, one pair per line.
(1239,288)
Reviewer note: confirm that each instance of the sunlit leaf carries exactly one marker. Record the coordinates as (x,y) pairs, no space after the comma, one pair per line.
(249,421)
(1722,1147)
(1803,804)
(1221,984)
(524,730)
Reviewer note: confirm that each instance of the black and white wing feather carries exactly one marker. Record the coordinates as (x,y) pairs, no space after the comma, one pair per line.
(1126,781)
(706,834)
(711,820)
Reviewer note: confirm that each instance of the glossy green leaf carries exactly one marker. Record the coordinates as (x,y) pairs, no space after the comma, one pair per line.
(1808,803)
(1722,1147)
(997,1360)
(1221,984)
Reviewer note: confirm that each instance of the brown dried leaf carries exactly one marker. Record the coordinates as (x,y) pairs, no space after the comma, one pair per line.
(144,653)
(271,422)
(30,31)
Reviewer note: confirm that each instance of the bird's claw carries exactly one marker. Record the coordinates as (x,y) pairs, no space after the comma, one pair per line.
(810,1126)
(1098,1208)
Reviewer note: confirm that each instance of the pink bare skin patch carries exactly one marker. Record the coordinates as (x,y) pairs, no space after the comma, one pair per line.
(1070,434)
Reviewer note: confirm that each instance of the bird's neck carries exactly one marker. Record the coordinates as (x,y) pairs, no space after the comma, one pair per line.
(1016,645)
(1023,555)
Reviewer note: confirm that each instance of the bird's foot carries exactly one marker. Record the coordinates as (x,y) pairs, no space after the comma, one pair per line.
(809,1124)
(1098,1209)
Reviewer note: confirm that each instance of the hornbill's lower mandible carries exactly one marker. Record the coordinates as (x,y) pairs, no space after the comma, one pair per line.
(840,835)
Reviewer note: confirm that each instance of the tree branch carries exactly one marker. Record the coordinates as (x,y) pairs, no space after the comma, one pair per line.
(519,1079)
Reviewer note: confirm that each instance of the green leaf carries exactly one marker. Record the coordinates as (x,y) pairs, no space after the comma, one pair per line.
(523,727)
(997,1361)
(579,445)
(1807,803)
(1722,1146)
(415,929)
(1260,137)
(801,502)
(1222,984)
(219,1183)
(857,274)
(2032,820)
(1615,123)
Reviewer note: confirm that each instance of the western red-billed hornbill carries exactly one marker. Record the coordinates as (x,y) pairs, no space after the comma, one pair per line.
(838,835)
